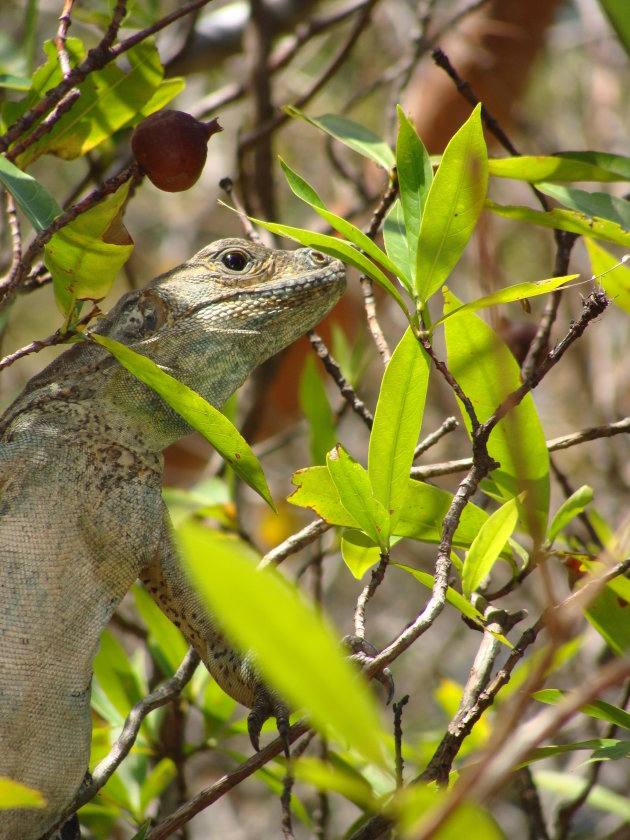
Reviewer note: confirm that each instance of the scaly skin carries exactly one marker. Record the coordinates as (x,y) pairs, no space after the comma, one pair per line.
(81,513)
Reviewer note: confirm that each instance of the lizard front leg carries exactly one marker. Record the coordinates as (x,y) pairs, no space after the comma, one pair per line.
(234,672)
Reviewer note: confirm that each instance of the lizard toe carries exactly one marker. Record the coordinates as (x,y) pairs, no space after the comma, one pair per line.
(362,653)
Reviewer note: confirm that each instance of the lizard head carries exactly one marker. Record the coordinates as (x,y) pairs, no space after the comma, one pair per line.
(210,321)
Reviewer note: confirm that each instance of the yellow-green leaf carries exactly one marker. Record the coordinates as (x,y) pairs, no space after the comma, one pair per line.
(397,422)
(453,206)
(487,546)
(16,795)
(487,372)
(615,278)
(296,649)
(197,412)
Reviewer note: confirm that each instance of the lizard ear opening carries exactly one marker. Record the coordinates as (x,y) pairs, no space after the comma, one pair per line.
(153,311)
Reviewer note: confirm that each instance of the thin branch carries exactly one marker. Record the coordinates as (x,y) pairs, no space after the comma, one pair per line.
(58,337)
(60,40)
(530,804)
(230,780)
(368,591)
(249,140)
(96,59)
(127,738)
(398,737)
(372,320)
(294,543)
(346,390)
(9,285)
(449,425)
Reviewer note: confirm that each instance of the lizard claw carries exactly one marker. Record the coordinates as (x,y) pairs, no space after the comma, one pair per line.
(362,652)
(266,706)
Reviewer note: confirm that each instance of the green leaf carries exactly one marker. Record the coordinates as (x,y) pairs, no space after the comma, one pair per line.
(519,291)
(166,642)
(599,709)
(397,422)
(341,250)
(569,166)
(296,650)
(116,677)
(615,278)
(110,98)
(85,256)
(415,175)
(305,191)
(423,510)
(610,615)
(359,552)
(573,506)
(571,786)
(355,492)
(316,490)
(197,412)
(600,204)
(357,137)
(31,197)
(487,372)
(395,239)
(453,597)
(487,546)
(156,782)
(336,776)
(16,795)
(569,220)
(617,13)
(316,408)
(453,206)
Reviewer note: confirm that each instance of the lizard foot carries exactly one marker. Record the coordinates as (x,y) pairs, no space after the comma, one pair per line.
(362,653)
(266,705)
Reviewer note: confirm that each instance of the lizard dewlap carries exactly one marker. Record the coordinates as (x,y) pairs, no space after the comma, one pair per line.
(81,514)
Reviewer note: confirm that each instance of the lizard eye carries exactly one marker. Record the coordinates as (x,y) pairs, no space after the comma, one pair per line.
(235,260)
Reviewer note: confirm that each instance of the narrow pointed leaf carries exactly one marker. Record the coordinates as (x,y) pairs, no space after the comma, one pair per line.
(397,423)
(487,372)
(197,412)
(341,250)
(354,135)
(415,175)
(395,239)
(569,220)
(453,206)
(305,191)
(355,491)
(519,291)
(600,204)
(37,204)
(569,166)
(571,508)
(487,546)
(296,649)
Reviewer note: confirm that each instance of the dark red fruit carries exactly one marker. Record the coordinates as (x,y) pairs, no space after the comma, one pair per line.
(171,148)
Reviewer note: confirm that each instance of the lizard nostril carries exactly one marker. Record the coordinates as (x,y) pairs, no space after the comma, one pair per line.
(318,258)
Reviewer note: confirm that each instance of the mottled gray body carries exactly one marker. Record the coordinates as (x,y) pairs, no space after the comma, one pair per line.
(81,513)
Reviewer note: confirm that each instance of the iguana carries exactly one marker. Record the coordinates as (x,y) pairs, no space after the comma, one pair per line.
(81,512)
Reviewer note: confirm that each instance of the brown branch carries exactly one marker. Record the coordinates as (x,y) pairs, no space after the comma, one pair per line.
(97,58)
(249,140)
(449,425)
(346,390)
(294,543)
(9,285)
(60,39)
(368,591)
